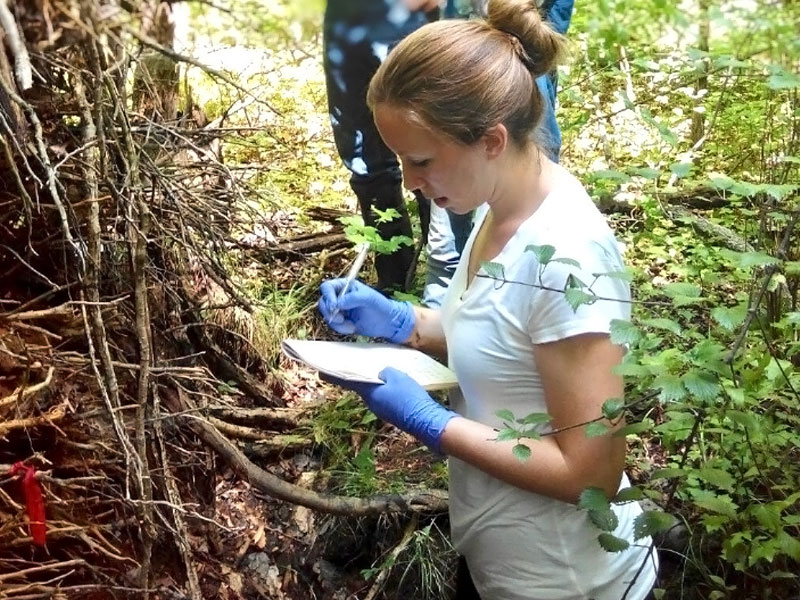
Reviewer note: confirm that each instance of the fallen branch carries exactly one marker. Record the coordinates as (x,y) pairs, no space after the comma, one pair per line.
(251,433)
(306,245)
(277,417)
(429,501)
(57,311)
(729,238)
(47,567)
(21,393)
(54,414)
(269,448)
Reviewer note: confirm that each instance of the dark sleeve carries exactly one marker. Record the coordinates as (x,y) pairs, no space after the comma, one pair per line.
(559,14)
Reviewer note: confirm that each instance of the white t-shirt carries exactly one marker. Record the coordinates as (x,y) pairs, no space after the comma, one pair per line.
(520,545)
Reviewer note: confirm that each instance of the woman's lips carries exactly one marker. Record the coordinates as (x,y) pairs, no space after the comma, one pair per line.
(440,202)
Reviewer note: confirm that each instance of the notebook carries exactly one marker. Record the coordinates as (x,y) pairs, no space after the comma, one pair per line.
(363,361)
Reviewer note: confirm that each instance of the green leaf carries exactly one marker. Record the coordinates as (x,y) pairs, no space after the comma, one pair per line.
(666,133)
(721,505)
(768,515)
(745,189)
(782,575)
(635,428)
(505,415)
(623,332)
(593,498)
(680,169)
(668,473)
(611,543)
(365,460)
(612,408)
(716,477)
(493,269)
(621,275)
(521,452)
(629,494)
(783,81)
(567,261)
(665,324)
(730,318)
(681,288)
(576,298)
(720,181)
(542,253)
(671,387)
(701,384)
(385,216)
(714,523)
(731,62)
(368,418)
(779,191)
(535,419)
(596,429)
(629,369)
(742,418)
(792,267)
(505,435)
(748,260)
(605,519)
(789,545)
(610,174)
(646,172)
(651,522)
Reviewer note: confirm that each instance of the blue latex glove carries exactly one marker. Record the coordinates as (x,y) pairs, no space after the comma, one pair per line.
(365,311)
(405,404)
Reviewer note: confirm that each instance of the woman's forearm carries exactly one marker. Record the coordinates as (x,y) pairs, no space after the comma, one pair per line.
(549,471)
(428,334)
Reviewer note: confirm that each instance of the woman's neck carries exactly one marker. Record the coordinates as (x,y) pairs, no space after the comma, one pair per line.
(526,179)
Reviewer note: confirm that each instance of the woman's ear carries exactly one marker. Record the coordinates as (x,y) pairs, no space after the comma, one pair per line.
(495,140)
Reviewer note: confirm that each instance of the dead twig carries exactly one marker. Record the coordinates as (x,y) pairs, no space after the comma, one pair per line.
(21,393)
(54,414)
(428,501)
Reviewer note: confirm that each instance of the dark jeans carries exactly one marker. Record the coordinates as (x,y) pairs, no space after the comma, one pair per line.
(356,34)
(465,589)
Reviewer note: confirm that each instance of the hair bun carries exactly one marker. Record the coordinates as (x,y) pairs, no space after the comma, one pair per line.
(538,46)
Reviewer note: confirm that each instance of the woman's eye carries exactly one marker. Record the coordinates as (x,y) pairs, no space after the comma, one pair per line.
(421,163)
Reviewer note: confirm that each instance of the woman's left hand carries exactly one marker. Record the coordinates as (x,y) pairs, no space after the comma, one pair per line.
(404,403)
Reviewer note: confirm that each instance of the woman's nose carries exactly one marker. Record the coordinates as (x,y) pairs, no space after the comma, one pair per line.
(411,179)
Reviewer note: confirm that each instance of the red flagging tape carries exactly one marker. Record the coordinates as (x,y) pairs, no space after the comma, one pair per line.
(34,502)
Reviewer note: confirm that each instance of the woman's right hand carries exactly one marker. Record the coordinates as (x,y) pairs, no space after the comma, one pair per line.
(365,311)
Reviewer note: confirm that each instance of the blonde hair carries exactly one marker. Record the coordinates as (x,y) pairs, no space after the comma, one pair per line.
(463,77)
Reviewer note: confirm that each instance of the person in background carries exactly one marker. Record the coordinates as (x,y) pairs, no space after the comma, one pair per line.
(357,36)
(457,101)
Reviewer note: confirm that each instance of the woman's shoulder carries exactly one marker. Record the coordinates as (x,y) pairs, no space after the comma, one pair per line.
(569,215)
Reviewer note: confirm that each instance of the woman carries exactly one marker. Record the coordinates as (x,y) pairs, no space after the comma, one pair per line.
(457,102)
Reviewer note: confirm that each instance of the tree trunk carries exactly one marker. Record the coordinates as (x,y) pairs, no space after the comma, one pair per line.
(701,87)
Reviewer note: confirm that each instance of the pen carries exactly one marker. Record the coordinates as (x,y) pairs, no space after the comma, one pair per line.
(355,267)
